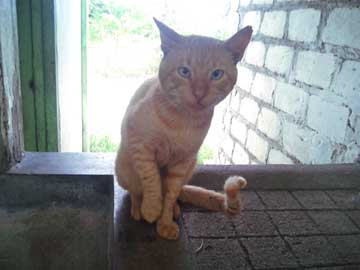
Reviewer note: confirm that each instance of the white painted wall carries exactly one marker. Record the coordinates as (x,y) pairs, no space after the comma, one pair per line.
(68,38)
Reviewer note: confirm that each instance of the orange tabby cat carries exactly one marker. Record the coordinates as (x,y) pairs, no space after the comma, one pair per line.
(166,122)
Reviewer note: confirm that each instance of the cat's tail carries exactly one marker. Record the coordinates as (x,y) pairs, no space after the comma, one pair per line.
(229,202)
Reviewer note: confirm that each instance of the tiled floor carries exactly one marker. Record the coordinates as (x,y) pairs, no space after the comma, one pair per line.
(297,229)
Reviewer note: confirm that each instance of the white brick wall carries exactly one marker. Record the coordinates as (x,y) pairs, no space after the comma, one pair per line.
(244,78)
(278,59)
(249,109)
(303,24)
(244,3)
(240,156)
(263,87)
(235,101)
(343,27)
(347,82)
(262,2)
(291,100)
(269,123)
(255,53)
(273,24)
(276,157)
(228,146)
(315,68)
(257,145)
(238,130)
(252,18)
(328,119)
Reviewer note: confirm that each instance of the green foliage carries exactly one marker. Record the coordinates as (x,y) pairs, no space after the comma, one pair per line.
(102,144)
(205,153)
(112,19)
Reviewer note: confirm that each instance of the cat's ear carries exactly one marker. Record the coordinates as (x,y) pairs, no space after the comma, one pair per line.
(169,38)
(238,43)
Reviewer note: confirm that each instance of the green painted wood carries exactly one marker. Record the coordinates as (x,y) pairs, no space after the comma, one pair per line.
(36,24)
(26,74)
(49,63)
(84,30)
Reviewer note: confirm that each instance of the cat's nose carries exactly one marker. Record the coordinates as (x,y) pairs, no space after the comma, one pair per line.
(199,94)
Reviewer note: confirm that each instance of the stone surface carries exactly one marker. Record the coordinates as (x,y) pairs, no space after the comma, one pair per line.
(345,199)
(257,146)
(291,100)
(279,58)
(355,217)
(293,223)
(269,123)
(347,82)
(250,201)
(249,109)
(345,21)
(321,113)
(347,246)
(255,53)
(244,78)
(257,223)
(303,24)
(263,87)
(333,222)
(276,157)
(314,199)
(273,24)
(267,253)
(279,200)
(314,68)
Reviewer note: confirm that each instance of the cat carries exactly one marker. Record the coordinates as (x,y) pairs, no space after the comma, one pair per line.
(166,122)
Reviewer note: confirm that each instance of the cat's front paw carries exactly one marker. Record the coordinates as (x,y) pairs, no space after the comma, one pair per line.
(168,231)
(151,209)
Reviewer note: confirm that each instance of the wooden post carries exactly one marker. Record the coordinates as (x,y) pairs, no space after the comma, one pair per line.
(11,138)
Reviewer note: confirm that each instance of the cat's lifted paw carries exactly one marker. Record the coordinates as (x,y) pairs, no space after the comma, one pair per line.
(232,187)
(168,231)
(151,209)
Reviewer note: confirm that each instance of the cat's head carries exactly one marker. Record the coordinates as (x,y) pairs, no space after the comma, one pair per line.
(197,72)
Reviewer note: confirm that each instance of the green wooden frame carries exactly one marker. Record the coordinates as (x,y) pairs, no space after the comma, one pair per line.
(36,29)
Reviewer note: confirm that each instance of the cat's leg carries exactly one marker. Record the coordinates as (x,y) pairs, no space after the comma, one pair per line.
(148,172)
(228,202)
(176,177)
(177,210)
(135,206)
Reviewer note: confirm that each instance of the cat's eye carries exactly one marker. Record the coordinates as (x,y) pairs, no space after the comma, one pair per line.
(184,72)
(216,74)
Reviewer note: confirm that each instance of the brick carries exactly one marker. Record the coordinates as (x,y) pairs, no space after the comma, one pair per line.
(346,199)
(269,252)
(276,157)
(216,254)
(314,250)
(291,100)
(342,27)
(315,68)
(239,155)
(255,53)
(244,3)
(347,81)
(296,139)
(279,200)
(250,201)
(252,18)
(235,101)
(348,246)
(244,78)
(321,113)
(257,223)
(279,58)
(238,130)
(249,109)
(257,146)
(262,2)
(269,123)
(313,199)
(293,223)
(228,146)
(333,222)
(303,24)
(273,24)
(263,87)
(207,225)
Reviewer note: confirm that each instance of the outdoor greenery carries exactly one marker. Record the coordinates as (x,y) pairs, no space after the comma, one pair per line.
(102,144)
